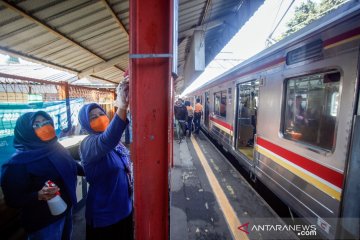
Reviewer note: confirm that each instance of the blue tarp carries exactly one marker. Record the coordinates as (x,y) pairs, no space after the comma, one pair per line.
(10,112)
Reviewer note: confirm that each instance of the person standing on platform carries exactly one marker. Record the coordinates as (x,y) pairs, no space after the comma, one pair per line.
(180,112)
(197,115)
(108,170)
(190,116)
(39,157)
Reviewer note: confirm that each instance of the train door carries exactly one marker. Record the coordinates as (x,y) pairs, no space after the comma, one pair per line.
(206,109)
(247,105)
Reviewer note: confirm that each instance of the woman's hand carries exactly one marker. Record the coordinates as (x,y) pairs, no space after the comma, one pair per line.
(47,193)
(122,99)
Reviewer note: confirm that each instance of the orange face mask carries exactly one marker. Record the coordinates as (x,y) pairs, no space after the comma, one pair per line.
(46,132)
(100,123)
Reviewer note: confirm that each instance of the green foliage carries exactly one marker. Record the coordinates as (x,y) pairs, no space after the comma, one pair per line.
(306,13)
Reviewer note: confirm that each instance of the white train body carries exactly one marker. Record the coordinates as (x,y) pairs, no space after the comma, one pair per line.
(289,115)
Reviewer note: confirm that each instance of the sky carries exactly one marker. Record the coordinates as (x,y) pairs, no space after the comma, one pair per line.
(250,39)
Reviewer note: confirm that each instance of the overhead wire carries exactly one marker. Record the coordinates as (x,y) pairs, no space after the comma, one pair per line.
(277,13)
(270,35)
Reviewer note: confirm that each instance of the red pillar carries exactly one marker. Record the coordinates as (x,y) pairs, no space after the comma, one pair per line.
(150,86)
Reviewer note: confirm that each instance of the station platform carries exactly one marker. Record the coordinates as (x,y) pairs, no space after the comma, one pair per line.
(211,200)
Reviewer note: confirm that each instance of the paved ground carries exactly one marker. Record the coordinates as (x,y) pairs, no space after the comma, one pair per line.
(195,211)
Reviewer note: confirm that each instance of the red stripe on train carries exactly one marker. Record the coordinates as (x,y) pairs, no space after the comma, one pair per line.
(321,171)
(224,124)
(342,37)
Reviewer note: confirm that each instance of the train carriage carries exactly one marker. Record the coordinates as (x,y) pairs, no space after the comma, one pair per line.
(289,116)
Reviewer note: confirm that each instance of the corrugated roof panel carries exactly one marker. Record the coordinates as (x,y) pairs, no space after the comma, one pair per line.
(95,29)
(92,35)
(74,59)
(63,52)
(82,65)
(113,49)
(14,26)
(123,64)
(23,36)
(69,16)
(40,40)
(69,54)
(58,9)
(109,71)
(85,63)
(113,36)
(189,12)
(121,8)
(79,60)
(82,22)
(188,4)
(36,4)
(50,47)
(112,73)
(7,16)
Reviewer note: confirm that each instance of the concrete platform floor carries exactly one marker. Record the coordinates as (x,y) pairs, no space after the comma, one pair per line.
(197,212)
(214,203)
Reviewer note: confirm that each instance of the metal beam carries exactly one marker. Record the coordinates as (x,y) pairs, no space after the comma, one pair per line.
(35,59)
(28,79)
(91,88)
(102,66)
(46,26)
(113,14)
(16,77)
(97,86)
(208,3)
(206,26)
(150,100)
(103,79)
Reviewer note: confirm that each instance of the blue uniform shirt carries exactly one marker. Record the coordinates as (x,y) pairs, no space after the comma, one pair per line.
(109,200)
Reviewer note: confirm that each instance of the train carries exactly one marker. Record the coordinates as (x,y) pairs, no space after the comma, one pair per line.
(290,116)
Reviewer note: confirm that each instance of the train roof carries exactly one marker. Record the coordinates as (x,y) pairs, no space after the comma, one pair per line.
(340,14)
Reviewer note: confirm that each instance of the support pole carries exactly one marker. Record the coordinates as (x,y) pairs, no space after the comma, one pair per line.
(68,109)
(150,87)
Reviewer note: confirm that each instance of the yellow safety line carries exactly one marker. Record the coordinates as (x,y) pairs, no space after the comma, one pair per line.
(229,213)
(302,174)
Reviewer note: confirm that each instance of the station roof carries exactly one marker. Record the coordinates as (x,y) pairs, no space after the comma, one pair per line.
(91,38)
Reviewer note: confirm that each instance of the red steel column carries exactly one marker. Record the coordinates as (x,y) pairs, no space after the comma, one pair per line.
(150,86)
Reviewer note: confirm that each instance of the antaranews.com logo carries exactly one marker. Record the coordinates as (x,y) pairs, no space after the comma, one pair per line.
(299,229)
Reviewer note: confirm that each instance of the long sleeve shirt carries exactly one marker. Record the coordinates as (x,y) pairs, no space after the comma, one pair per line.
(108,199)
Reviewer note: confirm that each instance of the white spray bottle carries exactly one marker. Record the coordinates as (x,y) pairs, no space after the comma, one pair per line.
(56,205)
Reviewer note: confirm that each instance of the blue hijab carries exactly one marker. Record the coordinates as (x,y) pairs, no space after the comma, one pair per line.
(84,116)
(30,148)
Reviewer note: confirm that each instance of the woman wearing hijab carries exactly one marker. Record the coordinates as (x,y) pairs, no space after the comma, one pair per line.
(40,158)
(108,169)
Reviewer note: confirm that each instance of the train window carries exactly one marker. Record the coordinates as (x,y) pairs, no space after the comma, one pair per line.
(220,103)
(311,109)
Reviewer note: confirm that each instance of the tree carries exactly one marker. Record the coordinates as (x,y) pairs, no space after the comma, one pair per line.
(306,13)
(326,5)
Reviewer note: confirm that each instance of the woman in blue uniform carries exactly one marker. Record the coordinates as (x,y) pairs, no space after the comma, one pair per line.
(39,158)
(108,169)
